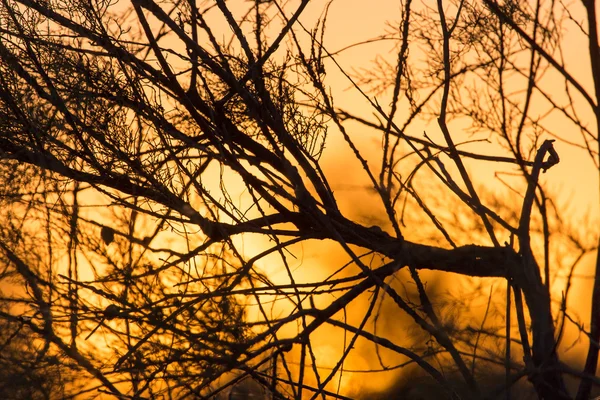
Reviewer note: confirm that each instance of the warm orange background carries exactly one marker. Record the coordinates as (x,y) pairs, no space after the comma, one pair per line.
(573,183)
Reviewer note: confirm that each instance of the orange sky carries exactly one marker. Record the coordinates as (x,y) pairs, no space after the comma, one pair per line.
(574,179)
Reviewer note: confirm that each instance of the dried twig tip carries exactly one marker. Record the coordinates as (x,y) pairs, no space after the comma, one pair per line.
(553,157)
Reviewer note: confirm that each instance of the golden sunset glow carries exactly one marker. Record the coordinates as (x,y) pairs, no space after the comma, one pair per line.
(299,199)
